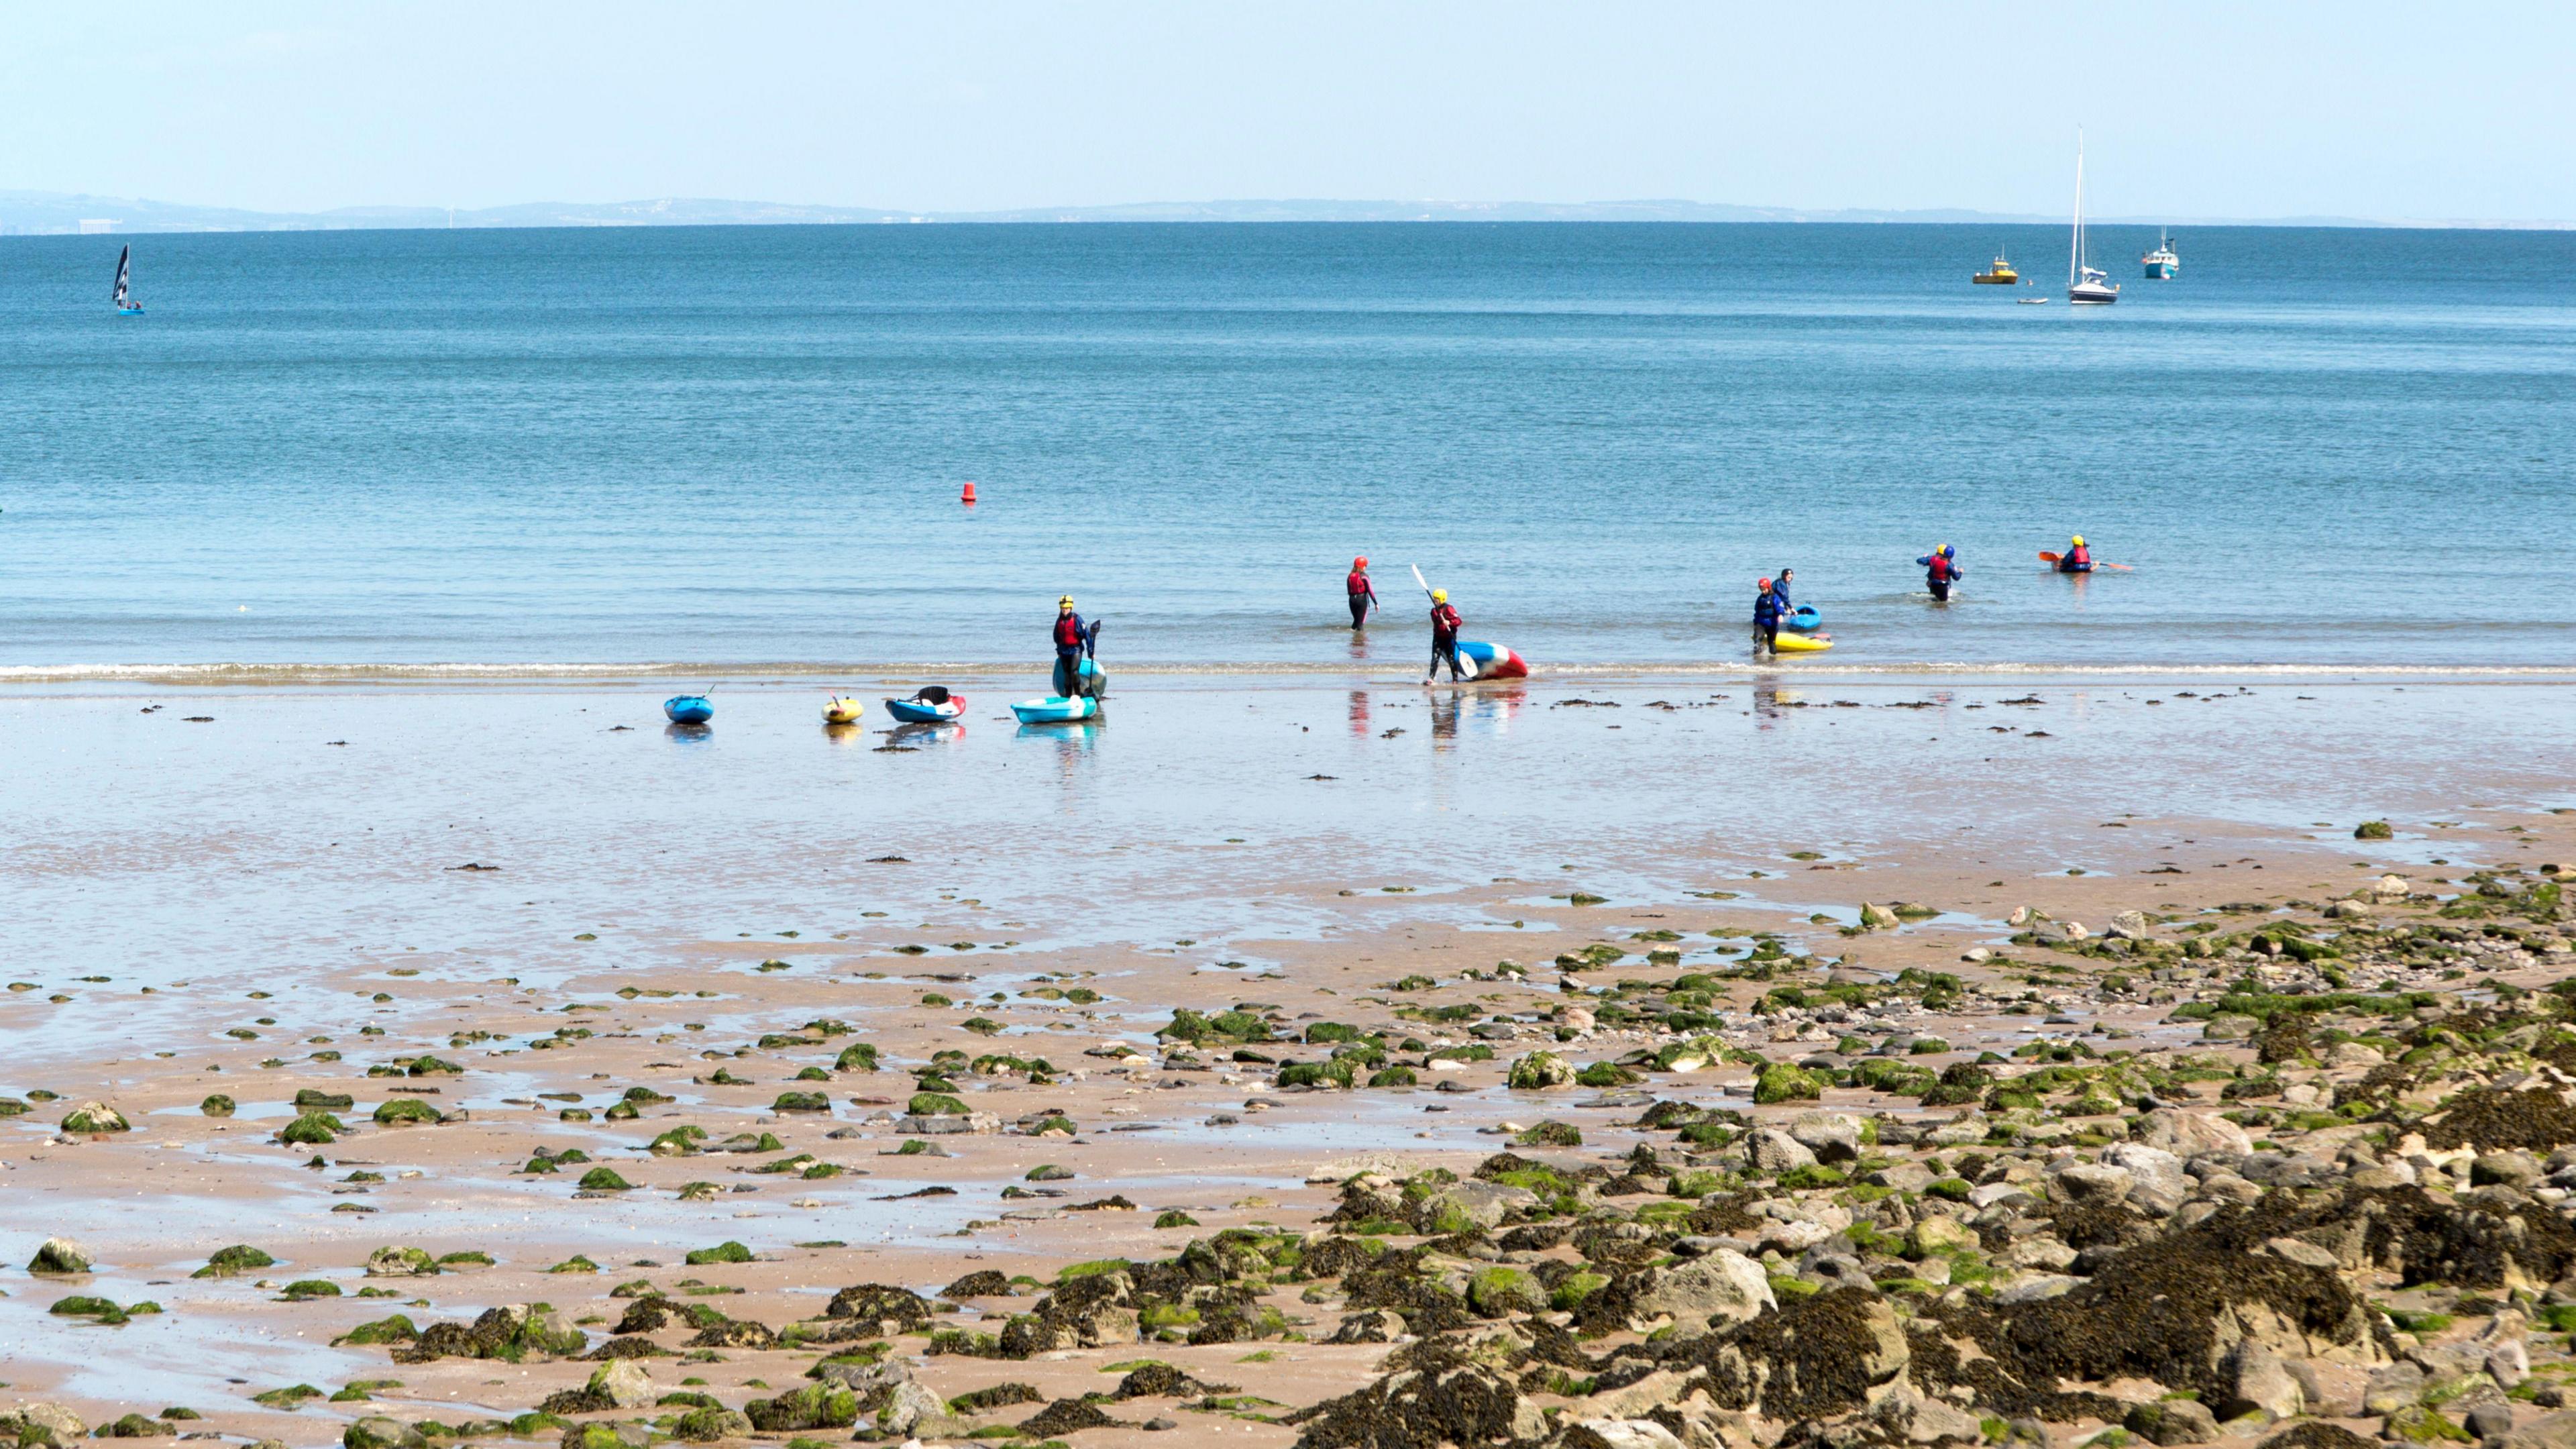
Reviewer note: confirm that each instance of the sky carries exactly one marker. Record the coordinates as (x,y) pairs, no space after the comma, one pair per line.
(2190,109)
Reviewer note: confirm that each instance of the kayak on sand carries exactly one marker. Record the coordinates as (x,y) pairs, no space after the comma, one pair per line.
(931,705)
(1491,661)
(1056,709)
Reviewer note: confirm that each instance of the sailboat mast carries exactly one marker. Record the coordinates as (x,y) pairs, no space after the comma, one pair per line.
(2075,242)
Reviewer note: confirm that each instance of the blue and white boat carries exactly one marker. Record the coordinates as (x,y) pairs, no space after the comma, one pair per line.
(689,709)
(2162,264)
(126,306)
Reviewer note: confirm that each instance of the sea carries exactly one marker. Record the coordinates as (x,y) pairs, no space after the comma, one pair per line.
(742,449)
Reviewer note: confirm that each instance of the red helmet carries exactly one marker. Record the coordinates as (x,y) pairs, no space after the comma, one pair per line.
(1764,585)
(1361,562)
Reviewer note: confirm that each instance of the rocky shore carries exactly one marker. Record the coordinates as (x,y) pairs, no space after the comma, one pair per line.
(2288,1171)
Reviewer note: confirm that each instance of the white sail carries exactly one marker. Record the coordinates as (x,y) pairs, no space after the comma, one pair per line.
(2075,241)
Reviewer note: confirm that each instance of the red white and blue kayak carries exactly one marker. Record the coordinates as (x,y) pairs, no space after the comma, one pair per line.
(934,705)
(1491,661)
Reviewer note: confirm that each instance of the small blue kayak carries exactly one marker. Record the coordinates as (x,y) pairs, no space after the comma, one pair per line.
(934,705)
(1056,709)
(1805,619)
(688,709)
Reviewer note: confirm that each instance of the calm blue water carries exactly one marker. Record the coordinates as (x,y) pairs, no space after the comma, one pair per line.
(745,444)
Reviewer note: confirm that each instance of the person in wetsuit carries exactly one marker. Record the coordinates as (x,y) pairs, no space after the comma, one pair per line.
(1941,570)
(1766,619)
(1445,625)
(1363,595)
(2078,559)
(1780,604)
(1070,640)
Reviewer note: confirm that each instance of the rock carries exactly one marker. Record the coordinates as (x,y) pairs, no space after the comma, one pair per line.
(2157,1183)
(2173,1421)
(1931,1235)
(375,1431)
(1832,1136)
(2036,1286)
(1378,1325)
(1618,1434)
(2490,1419)
(1770,1150)
(391,1262)
(2253,1377)
(2094,1183)
(1538,1071)
(1480,1204)
(2419,1424)
(2041,1252)
(54,1419)
(94,1118)
(59,1255)
(2508,1363)
(1913,1418)
(2348,911)
(2393,887)
(2188,1134)
(2297,1251)
(709,1426)
(1877,918)
(2392,1388)
(1497,1292)
(2128,926)
(2021,916)
(623,1383)
(908,1408)
(2352,1056)
(1721,1289)
(2557,1431)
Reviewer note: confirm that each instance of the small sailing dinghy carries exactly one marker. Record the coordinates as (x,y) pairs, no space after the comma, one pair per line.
(2086,284)
(126,306)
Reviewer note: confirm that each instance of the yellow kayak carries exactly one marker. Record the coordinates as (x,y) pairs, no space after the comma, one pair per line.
(842,709)
(1789,643)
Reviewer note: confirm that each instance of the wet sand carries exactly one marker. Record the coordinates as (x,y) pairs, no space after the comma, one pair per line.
(549,889)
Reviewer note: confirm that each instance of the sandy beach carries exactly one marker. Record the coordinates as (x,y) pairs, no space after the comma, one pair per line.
(681,1035)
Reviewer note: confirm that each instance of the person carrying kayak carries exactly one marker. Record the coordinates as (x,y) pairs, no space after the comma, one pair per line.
(1362,594)
(1766,619)
(1445,625)
(1072,639)
(1941,570)
(2078,559)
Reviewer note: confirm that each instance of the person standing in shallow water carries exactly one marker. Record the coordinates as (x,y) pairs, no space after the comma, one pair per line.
(1070,640)
(1363,595)
(1766,619)
(1445,625)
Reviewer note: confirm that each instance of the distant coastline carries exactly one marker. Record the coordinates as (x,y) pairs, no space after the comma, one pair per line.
(50,213)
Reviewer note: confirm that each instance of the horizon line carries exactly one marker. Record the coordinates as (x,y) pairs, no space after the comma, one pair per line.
(63,213)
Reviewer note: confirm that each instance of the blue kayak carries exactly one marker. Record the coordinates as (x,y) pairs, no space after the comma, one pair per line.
(1056,709)
(688,709)
(1805,619)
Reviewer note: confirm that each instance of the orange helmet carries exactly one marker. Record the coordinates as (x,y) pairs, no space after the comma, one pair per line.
(1361,562)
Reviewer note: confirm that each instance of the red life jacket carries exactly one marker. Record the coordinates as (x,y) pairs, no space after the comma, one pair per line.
(1445,622)
(1068,631)
(1939,568)
(2079,556)
(1357,585)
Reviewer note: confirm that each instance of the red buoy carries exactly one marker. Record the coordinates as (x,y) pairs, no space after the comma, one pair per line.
(968,497)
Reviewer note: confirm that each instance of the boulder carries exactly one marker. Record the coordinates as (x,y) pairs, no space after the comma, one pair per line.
(2392,1388)
(2128,926)
(2173,1421)
(1539,1071)
(1770,1150)
(1832,1136)
(2157,1183)
(2094,1183)
(375,1431)
(623,1383)
(54,1419)
(1910,1417)
(59,1255)
(1721,1289)
(2253,1378)
(1931,1235)
(2189,1134)
(1878,918)
(1481,1204)
(2557,1431)
(1617,1434)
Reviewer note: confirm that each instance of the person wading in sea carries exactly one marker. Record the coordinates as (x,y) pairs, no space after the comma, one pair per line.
(1071,638)
(1363,595)
(1941,570)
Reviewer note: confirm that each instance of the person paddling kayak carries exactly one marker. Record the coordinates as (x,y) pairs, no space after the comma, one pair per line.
(2078,558)
(1445,625)
(1766,619)
(1363,595)
(1941,570)
(1071,640)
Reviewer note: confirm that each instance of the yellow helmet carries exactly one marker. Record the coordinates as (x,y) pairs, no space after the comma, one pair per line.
(1439,596)
(2079,541)
(1067,601)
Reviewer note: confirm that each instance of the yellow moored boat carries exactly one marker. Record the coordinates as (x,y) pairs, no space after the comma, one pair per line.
(1998,273)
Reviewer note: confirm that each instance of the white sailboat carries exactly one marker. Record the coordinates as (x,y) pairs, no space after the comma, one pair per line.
(2086,285)
(126,306)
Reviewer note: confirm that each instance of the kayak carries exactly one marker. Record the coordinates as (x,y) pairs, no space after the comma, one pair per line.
(1491,661)
(842,709)
(1056,709)
(688,709)
(931,704)
(1801,644)
(1805,619)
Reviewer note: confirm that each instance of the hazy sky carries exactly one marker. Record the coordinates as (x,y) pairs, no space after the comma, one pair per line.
(2192,109)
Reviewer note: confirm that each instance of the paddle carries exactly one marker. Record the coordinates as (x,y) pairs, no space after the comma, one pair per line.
(1417,578)
(2049,558)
